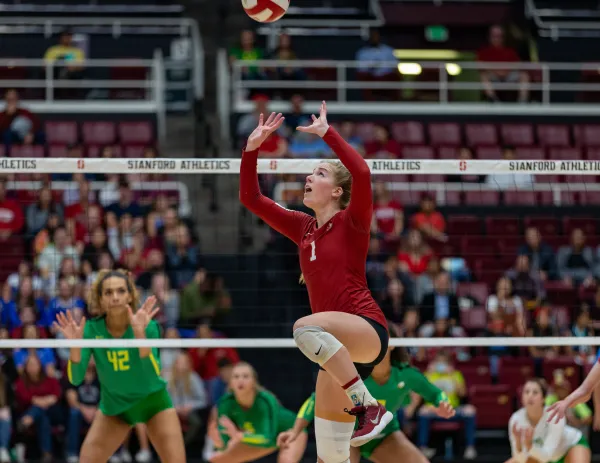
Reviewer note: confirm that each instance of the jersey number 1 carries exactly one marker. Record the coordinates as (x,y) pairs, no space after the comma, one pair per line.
(119,359)
(313,254)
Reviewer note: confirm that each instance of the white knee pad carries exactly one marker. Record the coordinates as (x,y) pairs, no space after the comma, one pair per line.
(316,343)
(333,440)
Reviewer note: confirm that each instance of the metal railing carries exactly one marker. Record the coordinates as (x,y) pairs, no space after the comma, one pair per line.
(556,23)
(90,95)
(118,26)
(545,81)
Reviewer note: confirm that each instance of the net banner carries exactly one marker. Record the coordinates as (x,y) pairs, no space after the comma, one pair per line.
(292,166)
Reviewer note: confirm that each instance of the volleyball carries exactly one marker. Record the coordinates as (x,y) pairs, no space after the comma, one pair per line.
(265,11)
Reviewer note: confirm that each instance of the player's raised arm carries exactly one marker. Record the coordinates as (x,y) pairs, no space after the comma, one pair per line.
(361,204)
(78,357)
(287,222)
(140,320)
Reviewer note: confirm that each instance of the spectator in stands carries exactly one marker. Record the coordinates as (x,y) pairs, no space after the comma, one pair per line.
(52,255)
(593,305)
(510,181)
(409,328)
(82,402)
(204,298)
(169,355)
(5,417)
(64,301)
(576,262)
(285,52)
(166,298)
(37,402)
(206,361)
(465,154)
(17,124)
(155,263)
(376,258)
(247,123)
(44,237)
(526,284)
(67,58)
(11,215)
(498,52)
(182,257)
(24,271)
(429,221)
(442,303)
(543,327)
(393,270)
(302,145)
(388,217)
(424,283)
(44,355)
(496,328)
(414,253)
(348,132)
(189,399)
(126,203)
(297,117)
(582,328)
(442,373)
(38,213)
(121,232)
(168,230)
(382,146)
(91,253)
(395,301)
(507,306)
(377,63)
(28,295)
(541,255)
(248,51)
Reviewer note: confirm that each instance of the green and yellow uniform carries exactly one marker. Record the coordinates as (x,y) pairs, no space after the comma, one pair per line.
(131,387)
(261,423)
(393,395)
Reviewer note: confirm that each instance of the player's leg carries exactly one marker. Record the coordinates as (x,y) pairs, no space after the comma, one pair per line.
(337,340)
(105,436)
(396,447)
(164,430)
(579,454)
(144,454)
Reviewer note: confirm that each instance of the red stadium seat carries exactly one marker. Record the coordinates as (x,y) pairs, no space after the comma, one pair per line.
(447,152)
(408,133)
(61,132)
(593,154)
(134,151)
(510,244)
(478,291)
(561,294)
(492,412)
(553,135)
(27,151)
(136,132)
(517,134)
(481,134)
(94,151)
(478,246)
(548,178)
(418,152)
(408,197)
(530,153)
(515,371)
(444,134)
(590,198)
(566,154)
(99,133)
(489,390)
(452,198)
(464,225)
(489,269)
(571,369)
(520,198)
(562,316)
(482,198)
(587,135)
(547,226)
(2,151)
(474,319)
(427,178)
(502,226)
(57,151)
(489,152)
(588,225)
(476,374)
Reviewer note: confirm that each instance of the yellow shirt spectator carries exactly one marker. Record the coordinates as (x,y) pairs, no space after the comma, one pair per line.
(449,382)
(65,53)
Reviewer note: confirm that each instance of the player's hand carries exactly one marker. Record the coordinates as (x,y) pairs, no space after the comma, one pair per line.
(557,411)
(319,126)
(140,319)
(229,427)
(445,410)
(285,438)
(66,324)
(528,438)
(264,129)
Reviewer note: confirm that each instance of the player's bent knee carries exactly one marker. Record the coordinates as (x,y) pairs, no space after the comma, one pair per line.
(316,343)
(333,440)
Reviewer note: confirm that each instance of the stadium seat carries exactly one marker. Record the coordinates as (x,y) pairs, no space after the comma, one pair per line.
(515,371)
(408,133)
(489,390)
(588,225)
(547,226)
(57,151)
(99,133)
(27,151)
(502,226)
(464,225)
(589,198)
(478,291)
(418,152)
(493,412)
(517,134)
(94,151)
(553,135)
(2,151)
(489,152)
(136,133)
(133,151)
(452,198)
(560,293)
(509,245)
(571,369)
(447,152)
(61,132)
(587,135)
(520,198)
(562,316)
(481,135)
(478,246)
(444,134)
(567,154)
(476,374)
(482,198)
(593,154)
(473,319)
(533,153)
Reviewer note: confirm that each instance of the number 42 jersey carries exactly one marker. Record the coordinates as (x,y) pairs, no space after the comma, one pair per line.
(125,377)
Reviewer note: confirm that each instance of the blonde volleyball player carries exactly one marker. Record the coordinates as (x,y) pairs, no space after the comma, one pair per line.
(535,440)
(346,324)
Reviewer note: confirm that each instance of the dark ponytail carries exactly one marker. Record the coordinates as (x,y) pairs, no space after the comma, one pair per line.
(399,357)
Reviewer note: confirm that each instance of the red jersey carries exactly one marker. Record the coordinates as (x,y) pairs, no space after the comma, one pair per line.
(332,257)
(205,362)
(385,215)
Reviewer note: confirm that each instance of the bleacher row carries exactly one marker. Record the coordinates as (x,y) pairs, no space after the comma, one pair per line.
(490,136)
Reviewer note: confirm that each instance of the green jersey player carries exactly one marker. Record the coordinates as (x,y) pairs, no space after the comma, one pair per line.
(249,420)
(392,382)
(132,390)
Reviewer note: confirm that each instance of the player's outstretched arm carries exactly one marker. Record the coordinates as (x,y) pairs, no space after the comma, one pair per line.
(78,357)
(286,222)
(418,382)
(139,322)
(580,395)
(361,204)
(303,419)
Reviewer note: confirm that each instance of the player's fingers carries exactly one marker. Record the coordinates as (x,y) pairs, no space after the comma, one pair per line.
(82,322)
(60,319)
(154,312)
(323,109)
(260,119)
(58,327)
(302,129)
(270,119)
(278,123)
(314,118)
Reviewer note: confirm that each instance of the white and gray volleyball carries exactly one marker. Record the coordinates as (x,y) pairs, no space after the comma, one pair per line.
(265,11)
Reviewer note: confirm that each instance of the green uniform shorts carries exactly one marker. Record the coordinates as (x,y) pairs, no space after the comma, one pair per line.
(367,450)
(582,442)
(145,409)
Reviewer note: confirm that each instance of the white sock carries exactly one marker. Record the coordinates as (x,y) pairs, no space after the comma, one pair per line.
(358,393)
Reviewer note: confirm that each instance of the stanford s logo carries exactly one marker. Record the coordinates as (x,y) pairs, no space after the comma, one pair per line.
(80,164)
(273,165)
(462,166)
